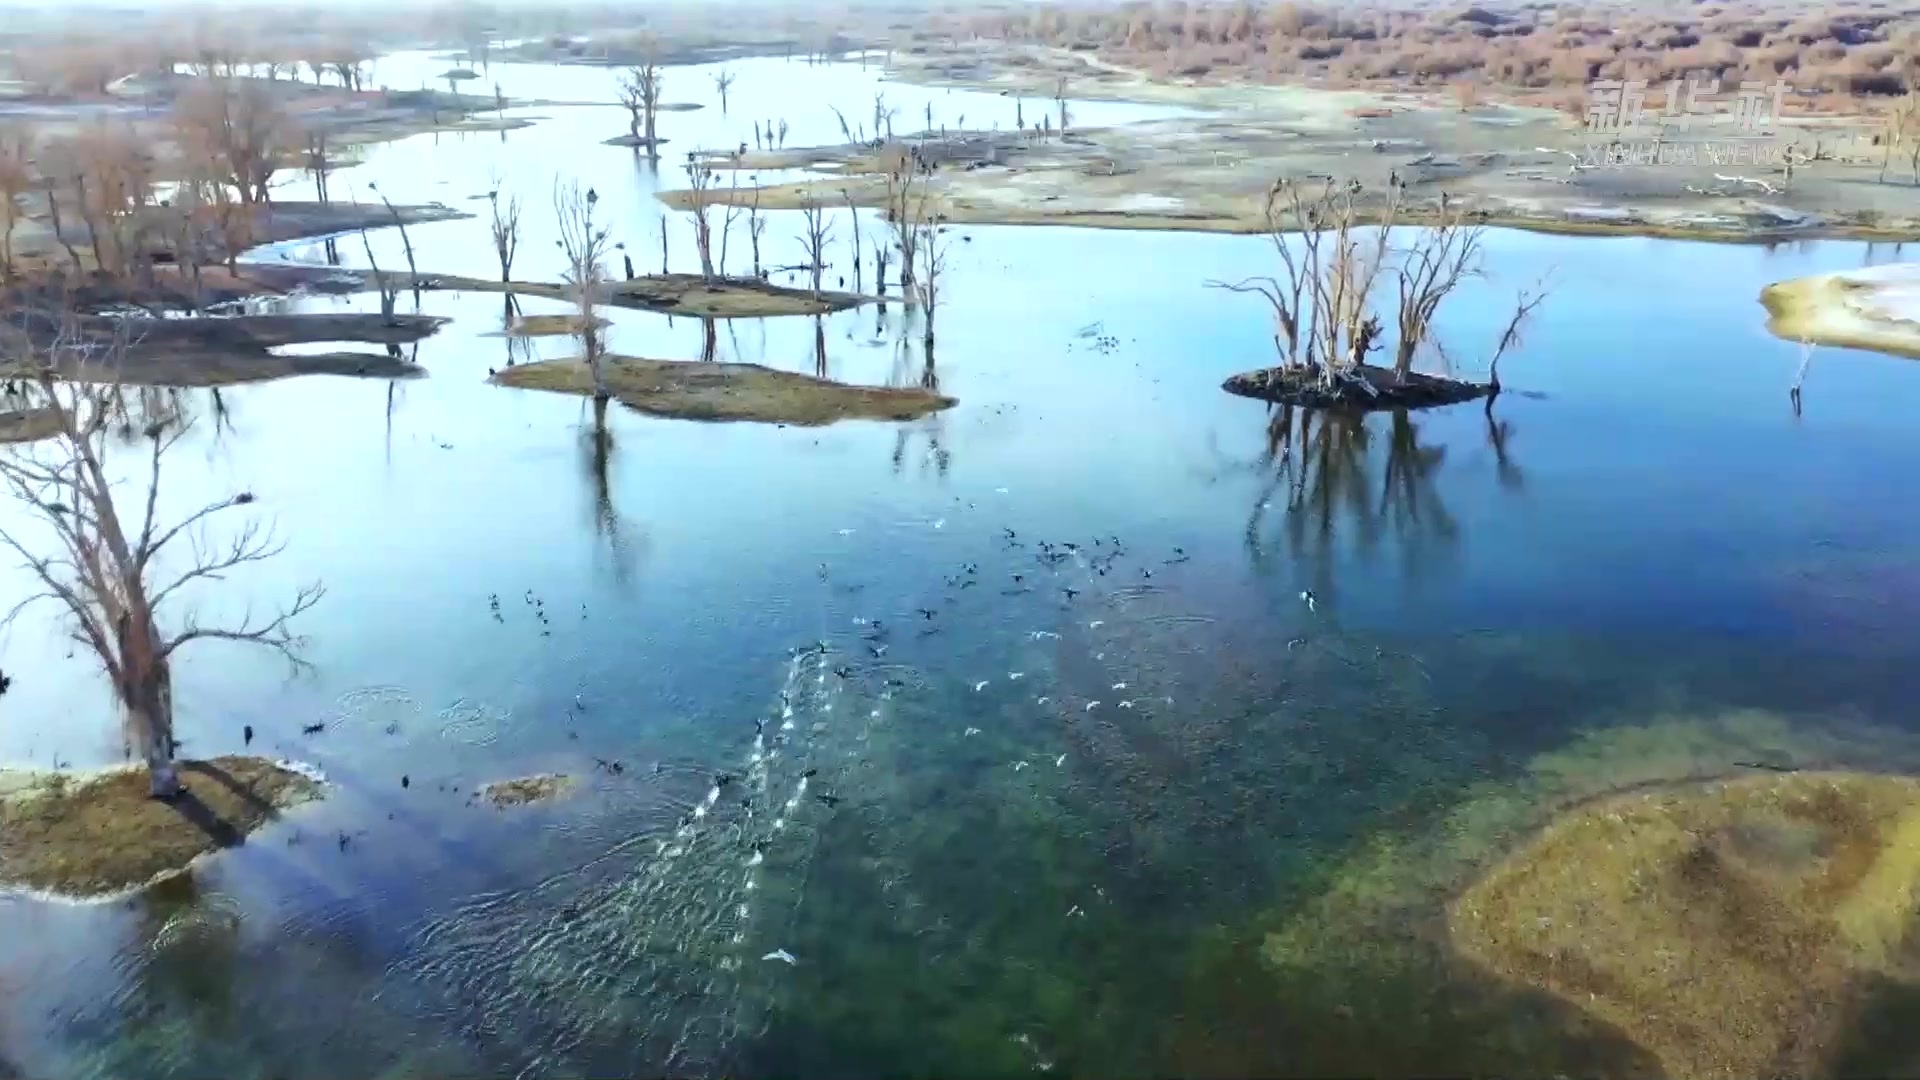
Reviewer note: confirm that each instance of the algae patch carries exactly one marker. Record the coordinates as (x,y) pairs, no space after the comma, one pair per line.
(1728,927)
(527,789)
(100,834)
(705,390)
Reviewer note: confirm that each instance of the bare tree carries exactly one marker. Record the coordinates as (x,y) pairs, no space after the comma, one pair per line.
(506,228)
(107,573)
(814,237)
(700,179)
(318,164)
(114,175)
(1523,309)
(931,249)
(907,200)
(1323,315)
(585,246)
(853,213)
(1900,124)
(389,292)
(1447,252)
(756,225)
(237,122)
(16,180)
(723,82)
(640,93)
(726,220)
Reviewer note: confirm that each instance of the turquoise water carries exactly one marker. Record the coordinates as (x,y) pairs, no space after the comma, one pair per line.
(1065,872)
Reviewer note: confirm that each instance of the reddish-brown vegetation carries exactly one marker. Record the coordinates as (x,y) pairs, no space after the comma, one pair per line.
(1867,51)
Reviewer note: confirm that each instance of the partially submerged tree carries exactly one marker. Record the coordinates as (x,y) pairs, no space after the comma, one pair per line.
(109,571)
(700,180)
(907,205)
(723,82)
(640,93)
(931,249)
(816,233)
(506,229)
(585,246)
(853,213)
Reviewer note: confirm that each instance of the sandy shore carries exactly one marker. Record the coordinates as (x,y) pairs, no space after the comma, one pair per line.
(1517,166)
(1874,308)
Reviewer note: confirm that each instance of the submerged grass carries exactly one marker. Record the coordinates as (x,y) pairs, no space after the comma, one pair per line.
(705,390)
(1372,971)
(102,834)
(1722,925)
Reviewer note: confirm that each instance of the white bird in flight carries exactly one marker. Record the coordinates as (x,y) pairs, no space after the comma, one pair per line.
(781,955)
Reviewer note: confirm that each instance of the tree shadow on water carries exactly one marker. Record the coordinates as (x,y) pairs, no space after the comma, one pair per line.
(1340,485)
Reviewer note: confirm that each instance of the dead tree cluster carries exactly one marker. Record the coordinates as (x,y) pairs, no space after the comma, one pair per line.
(1336,247)
(640,93)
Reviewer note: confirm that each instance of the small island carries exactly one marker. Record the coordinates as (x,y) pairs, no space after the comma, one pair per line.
(527,789)
(708,390)
(92,835)
(1876,307)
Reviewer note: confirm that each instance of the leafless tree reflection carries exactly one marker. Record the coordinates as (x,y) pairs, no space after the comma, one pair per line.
(1343,482)
(607,521)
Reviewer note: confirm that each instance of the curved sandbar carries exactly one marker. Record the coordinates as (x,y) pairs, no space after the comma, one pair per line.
(1730,927)
(1876,307)
(706,390)
(100,834)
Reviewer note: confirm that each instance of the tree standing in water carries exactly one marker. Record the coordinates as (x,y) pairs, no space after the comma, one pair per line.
(585,245)
(814,239)
(107,574)
(723,82)
(640,93)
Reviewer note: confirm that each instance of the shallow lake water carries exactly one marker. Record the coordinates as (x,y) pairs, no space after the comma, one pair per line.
(1006,816)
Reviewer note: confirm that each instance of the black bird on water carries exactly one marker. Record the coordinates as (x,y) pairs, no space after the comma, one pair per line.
(246,734)
(843,671)
(314,729)
(6,682)
(927,613)
(830,800)
(404,781)
(810,773)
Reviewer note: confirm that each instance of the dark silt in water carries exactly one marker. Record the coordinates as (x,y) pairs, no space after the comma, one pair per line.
(891,800)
